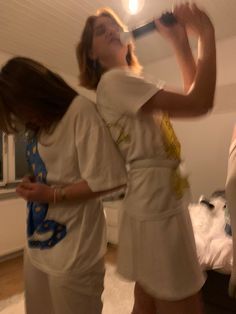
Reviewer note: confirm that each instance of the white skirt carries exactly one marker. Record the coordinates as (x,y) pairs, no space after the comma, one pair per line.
(161,256)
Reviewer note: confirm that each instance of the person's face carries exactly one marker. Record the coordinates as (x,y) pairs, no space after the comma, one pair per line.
(106,45)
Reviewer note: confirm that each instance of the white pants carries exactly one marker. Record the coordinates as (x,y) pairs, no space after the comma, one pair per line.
(73,294)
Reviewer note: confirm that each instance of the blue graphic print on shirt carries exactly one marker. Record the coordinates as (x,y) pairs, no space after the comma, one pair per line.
(38,227)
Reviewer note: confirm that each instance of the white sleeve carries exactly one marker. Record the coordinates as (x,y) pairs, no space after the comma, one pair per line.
(124,91)
(100,162)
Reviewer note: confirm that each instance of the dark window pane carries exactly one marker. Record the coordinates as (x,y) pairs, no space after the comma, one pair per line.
(1,157)
(20,158)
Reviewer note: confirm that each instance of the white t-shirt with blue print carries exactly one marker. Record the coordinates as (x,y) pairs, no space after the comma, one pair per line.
(71,236)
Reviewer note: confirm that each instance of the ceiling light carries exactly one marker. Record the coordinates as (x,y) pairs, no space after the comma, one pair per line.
(133,6)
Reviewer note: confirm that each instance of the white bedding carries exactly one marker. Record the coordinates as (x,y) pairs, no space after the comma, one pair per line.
(214,246)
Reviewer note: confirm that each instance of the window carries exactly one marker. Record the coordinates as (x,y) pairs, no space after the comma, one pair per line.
(13,165)
(21,166)
(1,156)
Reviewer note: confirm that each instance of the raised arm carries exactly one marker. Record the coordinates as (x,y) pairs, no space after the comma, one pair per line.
(199,99)
(176,35)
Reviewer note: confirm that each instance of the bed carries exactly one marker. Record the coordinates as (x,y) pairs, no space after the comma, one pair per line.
(212,231)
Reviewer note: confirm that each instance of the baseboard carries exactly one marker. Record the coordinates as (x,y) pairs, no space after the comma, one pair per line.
(11,255)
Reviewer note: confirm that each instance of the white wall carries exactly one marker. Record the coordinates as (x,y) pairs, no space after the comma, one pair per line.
(205,144)
(12,225)
(4,57)
(205,141)
(73,81)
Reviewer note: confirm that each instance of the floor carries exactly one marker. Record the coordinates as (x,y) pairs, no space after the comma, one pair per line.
(11,277)
(11,273)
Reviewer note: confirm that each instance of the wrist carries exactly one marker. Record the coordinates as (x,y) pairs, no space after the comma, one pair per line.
(62,194)
(59,195)
(51,195)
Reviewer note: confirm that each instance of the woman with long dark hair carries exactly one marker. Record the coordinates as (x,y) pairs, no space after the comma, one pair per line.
(71,156)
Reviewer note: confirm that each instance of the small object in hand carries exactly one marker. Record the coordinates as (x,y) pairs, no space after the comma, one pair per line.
(167,19)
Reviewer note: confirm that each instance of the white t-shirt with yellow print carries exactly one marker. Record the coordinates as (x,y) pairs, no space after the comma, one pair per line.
(156,245)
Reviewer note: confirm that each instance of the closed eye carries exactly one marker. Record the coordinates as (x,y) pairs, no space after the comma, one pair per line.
(100,30)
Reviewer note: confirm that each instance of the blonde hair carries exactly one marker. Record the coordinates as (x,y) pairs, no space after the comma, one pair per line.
(90,70)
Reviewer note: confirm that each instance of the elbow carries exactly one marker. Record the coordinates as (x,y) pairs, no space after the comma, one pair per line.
(198,112)
(204,110)
(201,105)
(208,104)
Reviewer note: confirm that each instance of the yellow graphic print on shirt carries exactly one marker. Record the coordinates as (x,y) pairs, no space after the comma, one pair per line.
(173,149)
(119,130)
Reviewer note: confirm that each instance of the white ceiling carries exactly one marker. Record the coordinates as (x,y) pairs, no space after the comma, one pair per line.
(48,30)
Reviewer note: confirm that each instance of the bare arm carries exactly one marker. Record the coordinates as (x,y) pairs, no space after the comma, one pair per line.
(82,191)
(186,63)
(43,193)
(177,36)
(200,97)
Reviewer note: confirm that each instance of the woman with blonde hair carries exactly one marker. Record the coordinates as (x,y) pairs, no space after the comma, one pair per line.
(156,245)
